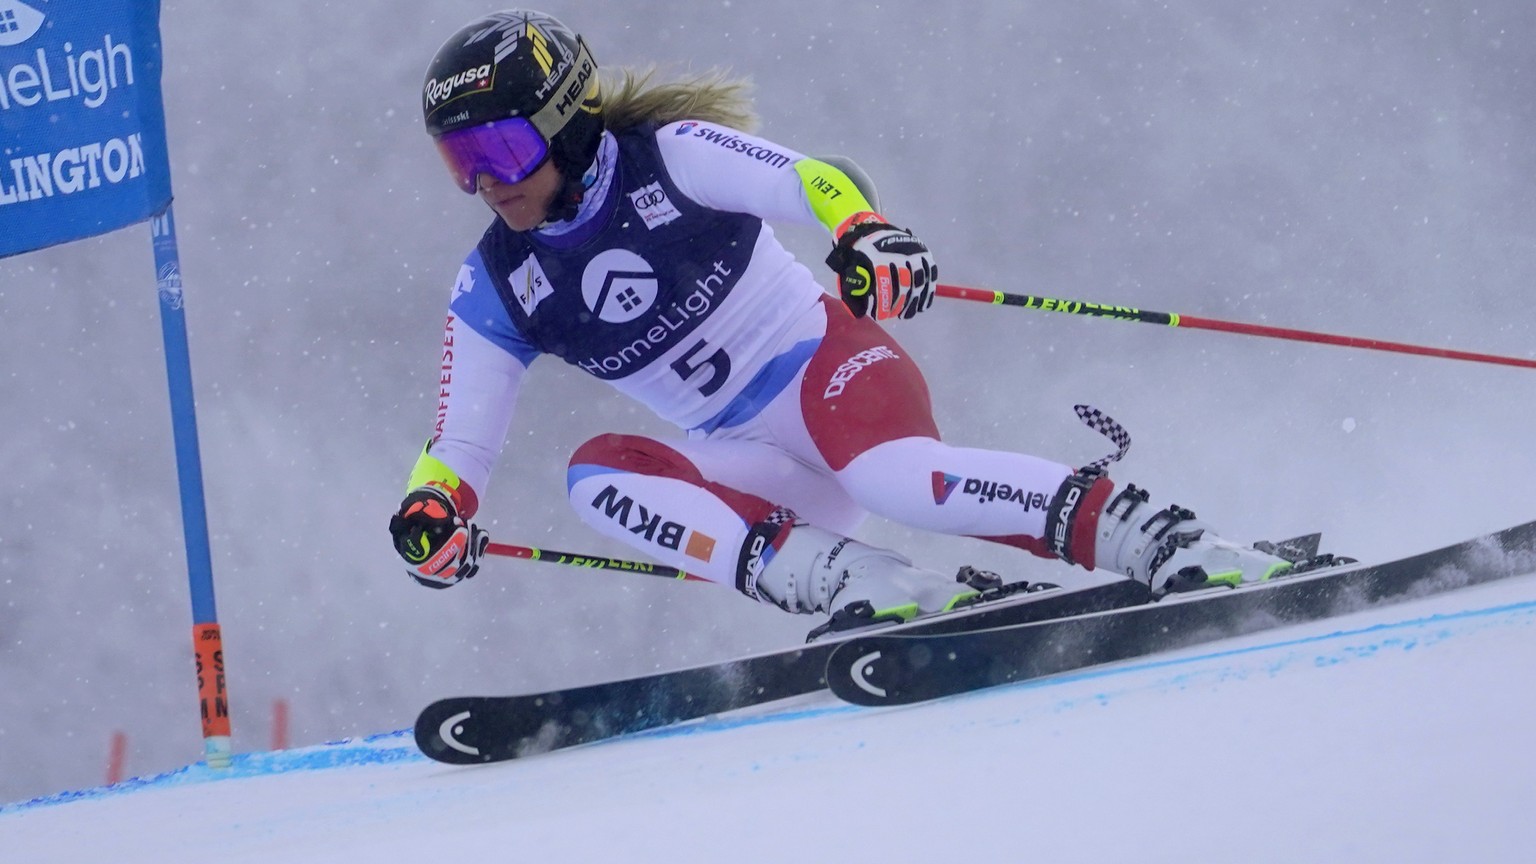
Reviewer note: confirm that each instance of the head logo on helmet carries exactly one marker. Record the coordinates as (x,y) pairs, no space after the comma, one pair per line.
(511,64)
(524,64)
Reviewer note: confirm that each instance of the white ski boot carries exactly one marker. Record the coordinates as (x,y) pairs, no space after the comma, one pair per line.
(1168,550)
(814,570)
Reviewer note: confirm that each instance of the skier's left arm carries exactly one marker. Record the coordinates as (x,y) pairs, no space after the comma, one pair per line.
(883,271)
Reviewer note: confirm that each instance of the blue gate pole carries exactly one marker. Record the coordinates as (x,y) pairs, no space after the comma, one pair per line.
(207,642)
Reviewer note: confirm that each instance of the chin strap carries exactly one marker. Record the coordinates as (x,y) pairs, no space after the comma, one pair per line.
(575,181)
(567,201)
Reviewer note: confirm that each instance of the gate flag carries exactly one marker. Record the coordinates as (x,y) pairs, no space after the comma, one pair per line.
(83,152)
(82,127)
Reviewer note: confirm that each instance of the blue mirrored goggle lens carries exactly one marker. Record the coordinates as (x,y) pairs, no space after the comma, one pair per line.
(508,150)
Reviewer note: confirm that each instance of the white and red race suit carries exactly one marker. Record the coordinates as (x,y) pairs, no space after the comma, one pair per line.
(670,286)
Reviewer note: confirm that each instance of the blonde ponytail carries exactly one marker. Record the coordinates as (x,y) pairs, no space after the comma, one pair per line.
(630,99)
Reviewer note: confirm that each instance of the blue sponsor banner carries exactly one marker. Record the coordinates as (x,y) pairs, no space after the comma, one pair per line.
(82,129)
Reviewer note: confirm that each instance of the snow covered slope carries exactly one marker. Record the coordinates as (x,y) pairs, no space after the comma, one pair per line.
(1398,735)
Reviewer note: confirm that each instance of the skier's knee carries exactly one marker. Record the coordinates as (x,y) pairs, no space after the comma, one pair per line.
(627,452)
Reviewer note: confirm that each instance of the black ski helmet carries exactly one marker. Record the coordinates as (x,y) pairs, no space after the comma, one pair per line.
(520,63)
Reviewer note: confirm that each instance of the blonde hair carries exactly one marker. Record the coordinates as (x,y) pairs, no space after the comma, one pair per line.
(629,99)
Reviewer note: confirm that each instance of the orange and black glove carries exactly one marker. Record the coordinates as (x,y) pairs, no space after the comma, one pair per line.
(440,547)
(882,271)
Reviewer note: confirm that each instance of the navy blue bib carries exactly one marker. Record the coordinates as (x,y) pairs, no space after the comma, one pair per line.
(657,267)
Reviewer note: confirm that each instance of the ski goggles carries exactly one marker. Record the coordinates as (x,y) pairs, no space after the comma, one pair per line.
(512,148)
(508,150)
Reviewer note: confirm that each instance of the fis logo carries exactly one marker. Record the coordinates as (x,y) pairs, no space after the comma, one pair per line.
(529,285)
(18,22)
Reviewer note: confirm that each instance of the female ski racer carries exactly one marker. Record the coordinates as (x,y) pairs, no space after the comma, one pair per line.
(631,240)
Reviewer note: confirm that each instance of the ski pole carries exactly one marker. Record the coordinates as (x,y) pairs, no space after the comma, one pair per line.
(591,561)
(1173,319)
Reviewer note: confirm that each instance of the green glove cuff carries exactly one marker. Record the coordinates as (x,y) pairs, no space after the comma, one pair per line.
(432,471)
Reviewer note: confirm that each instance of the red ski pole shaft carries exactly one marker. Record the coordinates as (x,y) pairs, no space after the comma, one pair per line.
(597,562)
(1191,322)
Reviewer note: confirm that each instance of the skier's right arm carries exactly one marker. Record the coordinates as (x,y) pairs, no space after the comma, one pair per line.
(483,361)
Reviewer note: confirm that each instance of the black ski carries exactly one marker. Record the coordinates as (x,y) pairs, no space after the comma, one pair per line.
(476,729)
(894,668)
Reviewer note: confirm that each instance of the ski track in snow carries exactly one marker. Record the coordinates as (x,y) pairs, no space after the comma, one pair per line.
(1274,658)
(328,802)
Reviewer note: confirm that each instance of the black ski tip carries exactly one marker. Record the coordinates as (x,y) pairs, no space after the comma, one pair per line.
(449,731)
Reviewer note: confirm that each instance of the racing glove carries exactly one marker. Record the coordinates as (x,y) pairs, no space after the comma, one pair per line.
(439,547)
(882,271)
